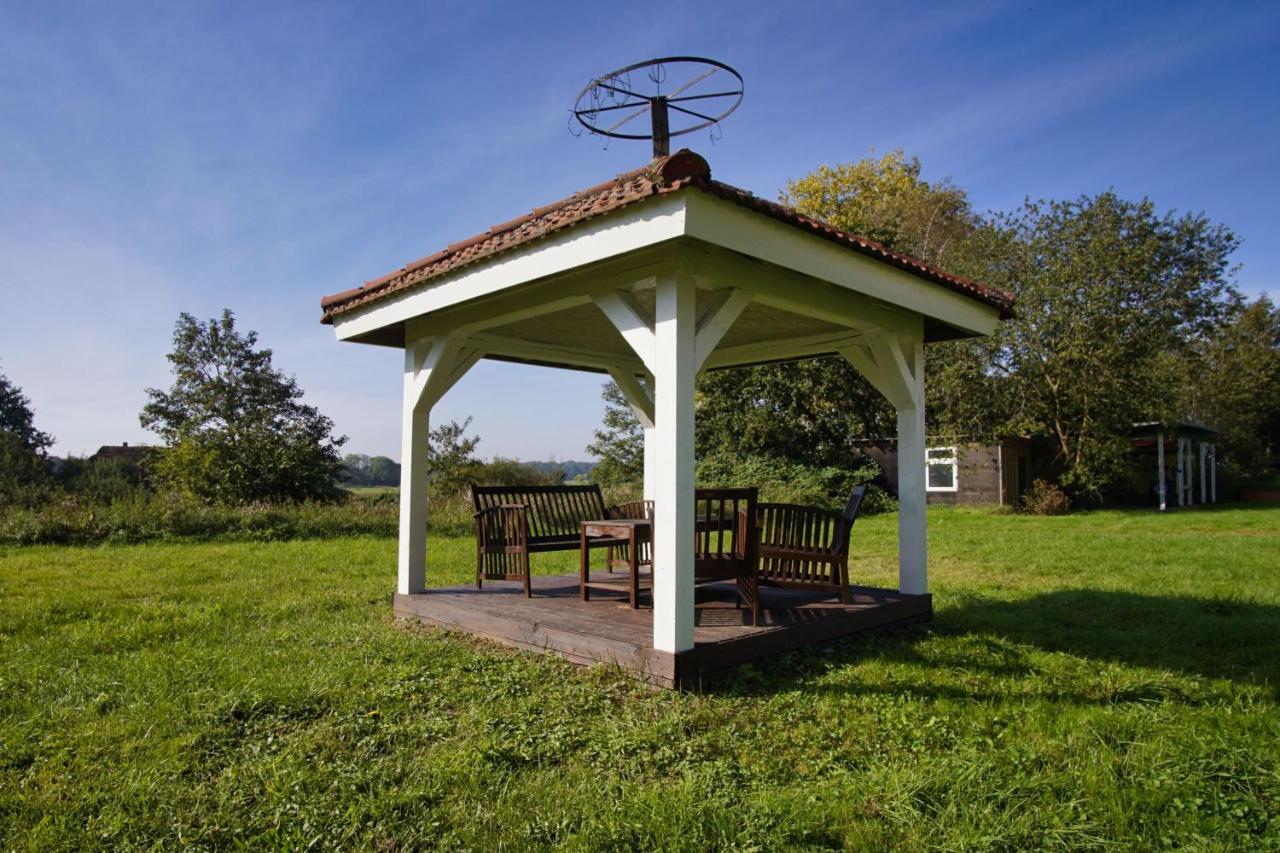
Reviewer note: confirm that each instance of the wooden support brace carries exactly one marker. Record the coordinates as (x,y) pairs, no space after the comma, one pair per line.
(626,318)
(639,396)
(436,365)
(716,321)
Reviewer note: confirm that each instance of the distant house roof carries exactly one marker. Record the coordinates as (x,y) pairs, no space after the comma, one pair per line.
(663,176)
(131,454)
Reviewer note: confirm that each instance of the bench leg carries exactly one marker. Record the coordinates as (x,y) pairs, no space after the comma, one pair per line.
(634,565)
(584,564)
(749,592)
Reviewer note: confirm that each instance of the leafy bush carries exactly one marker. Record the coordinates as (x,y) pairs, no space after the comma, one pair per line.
(511,472)
(780,481)
(24,473)
(783,481)
(1044,498)
(102,481)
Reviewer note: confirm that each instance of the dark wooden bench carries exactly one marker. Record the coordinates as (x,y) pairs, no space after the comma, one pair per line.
(807,547)
(513,522)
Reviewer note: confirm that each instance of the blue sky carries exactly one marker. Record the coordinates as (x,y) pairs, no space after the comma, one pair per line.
(167,157)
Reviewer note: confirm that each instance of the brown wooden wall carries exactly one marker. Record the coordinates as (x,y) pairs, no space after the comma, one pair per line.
(977,470)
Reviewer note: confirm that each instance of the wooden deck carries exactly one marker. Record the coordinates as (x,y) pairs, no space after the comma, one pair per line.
(606,630)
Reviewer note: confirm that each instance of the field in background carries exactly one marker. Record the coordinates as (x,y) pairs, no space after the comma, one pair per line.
(1090,680)
(372,491)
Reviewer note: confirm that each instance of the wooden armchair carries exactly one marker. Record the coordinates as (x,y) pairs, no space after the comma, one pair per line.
(807,547)
(617,556)
(725,542)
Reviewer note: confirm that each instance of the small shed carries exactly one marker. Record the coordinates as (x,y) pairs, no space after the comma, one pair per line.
(962,471)
(650,278)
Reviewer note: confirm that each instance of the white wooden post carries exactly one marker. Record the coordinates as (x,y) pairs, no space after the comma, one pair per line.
(1203,483)
(1160,471)
(414,426)
(650,462)
(673,474)
(912,494)
(1188,472)
(999,473)
(1213,473)
(894,365)
(1182,492)
(431,367)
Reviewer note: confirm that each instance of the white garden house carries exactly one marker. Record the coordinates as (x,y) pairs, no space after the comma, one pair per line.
(652,278)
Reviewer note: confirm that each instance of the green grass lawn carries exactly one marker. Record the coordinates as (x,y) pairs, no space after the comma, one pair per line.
(1099,680)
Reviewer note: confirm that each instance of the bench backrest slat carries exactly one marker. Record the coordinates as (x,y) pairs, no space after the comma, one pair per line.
(554,511)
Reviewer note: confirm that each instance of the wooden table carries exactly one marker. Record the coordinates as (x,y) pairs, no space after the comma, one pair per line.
(634,531)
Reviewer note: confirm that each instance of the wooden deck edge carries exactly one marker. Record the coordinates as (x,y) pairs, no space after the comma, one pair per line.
(651,665)
(696,668)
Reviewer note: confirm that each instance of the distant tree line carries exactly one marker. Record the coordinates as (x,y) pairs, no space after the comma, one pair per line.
(361,470)
(243,456)
(1125,313)
(236,432)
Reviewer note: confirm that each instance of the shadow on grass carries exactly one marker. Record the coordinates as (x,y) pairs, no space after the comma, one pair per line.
(1202,637)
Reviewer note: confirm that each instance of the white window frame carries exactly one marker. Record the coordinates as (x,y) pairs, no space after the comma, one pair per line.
(952,458)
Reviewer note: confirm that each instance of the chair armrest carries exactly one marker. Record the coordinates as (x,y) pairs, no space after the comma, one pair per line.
(630,509)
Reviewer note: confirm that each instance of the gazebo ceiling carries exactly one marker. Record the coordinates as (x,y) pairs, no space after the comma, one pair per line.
(526,290)
(572,326)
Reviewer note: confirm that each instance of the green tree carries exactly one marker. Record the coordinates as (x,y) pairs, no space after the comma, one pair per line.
(1233,385)
(17,418)
(24,470)
(809,412)
(383,471)
(886,200)
(1108,291)
(355,469)
(359,469)
(236,427)
(24,474)
(619,443)
(451,459)
(806,412)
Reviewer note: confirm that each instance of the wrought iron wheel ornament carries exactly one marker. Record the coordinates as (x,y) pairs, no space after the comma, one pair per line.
(681,94)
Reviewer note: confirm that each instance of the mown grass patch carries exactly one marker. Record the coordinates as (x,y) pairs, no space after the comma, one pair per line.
(1096,680)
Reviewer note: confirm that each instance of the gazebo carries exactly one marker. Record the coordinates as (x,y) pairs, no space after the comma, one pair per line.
(651,278)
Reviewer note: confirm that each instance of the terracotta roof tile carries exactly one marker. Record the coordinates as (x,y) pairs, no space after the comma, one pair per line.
(660,177)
